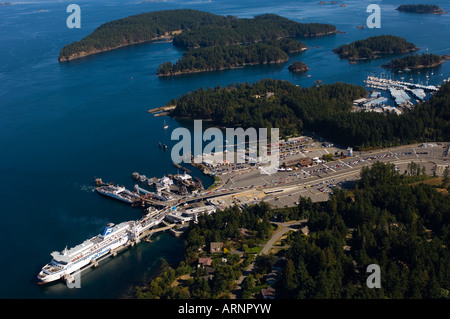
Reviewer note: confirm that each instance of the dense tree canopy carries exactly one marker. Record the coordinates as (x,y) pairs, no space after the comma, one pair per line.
(229,56)
(298,66)
(190,29)
(385,221)
(420,8)
(415,61)
(324,109)
(231,30)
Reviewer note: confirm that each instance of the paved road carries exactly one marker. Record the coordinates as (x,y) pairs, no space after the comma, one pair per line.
(282,229)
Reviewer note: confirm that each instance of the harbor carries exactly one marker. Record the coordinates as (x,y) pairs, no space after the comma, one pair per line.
(167,208)
(157,216)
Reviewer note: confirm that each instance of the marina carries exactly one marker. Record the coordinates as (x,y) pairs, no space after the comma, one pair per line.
(403,94)
(385,84)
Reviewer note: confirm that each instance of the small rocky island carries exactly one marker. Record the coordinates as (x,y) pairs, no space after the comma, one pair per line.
(421,8)
(298,67)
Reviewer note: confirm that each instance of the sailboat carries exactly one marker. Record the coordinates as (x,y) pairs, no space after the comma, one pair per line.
(165,125)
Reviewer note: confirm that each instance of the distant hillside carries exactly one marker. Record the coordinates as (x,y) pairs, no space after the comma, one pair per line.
(189,29)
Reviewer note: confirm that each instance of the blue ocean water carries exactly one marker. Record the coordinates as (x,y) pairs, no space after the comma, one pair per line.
(64,124)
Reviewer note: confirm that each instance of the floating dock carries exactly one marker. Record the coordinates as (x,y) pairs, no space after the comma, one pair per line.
(385,84)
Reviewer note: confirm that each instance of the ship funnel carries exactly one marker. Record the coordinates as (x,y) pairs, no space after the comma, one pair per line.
(108,229)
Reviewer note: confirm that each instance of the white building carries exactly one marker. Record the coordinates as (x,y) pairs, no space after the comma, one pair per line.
(350,152)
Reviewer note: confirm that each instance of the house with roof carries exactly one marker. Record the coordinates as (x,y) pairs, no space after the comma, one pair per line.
(268,293)
(204,262)
(215,247)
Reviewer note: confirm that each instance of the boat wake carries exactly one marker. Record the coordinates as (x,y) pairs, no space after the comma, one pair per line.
(87,188)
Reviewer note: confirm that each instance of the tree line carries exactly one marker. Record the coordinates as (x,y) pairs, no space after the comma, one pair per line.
(231,30)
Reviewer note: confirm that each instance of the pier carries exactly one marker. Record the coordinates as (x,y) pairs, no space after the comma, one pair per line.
(151,232)
(161,111)
(385,84)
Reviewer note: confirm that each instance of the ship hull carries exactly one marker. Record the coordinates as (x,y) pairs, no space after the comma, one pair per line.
(115,196)
(44,277)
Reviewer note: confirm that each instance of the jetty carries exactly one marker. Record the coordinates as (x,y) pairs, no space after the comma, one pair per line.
(162,110)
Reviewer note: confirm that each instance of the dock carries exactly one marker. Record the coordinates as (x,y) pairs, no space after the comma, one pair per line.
(151,232)
(385,84)
(162,110)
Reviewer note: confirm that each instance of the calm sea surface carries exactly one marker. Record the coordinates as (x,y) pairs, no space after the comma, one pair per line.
(62,125)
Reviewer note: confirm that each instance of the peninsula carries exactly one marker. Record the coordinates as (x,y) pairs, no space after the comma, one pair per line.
(421,8)
(415,62)
(374,47)
(190,29)
(293,109)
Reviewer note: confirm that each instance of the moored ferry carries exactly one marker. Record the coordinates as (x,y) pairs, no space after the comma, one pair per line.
(117,192)
(71,260)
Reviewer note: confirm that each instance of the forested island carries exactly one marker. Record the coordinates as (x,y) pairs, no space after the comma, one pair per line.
(421,8)
(374,47)
(190,29)
(298,66)
(398,221)
(415,61)
(231,56)
(324,109)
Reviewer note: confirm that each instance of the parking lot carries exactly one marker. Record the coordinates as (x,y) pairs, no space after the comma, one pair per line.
(318,181)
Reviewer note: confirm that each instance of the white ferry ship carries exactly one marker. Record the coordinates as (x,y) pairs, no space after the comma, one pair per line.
(117,192)
(71,260)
